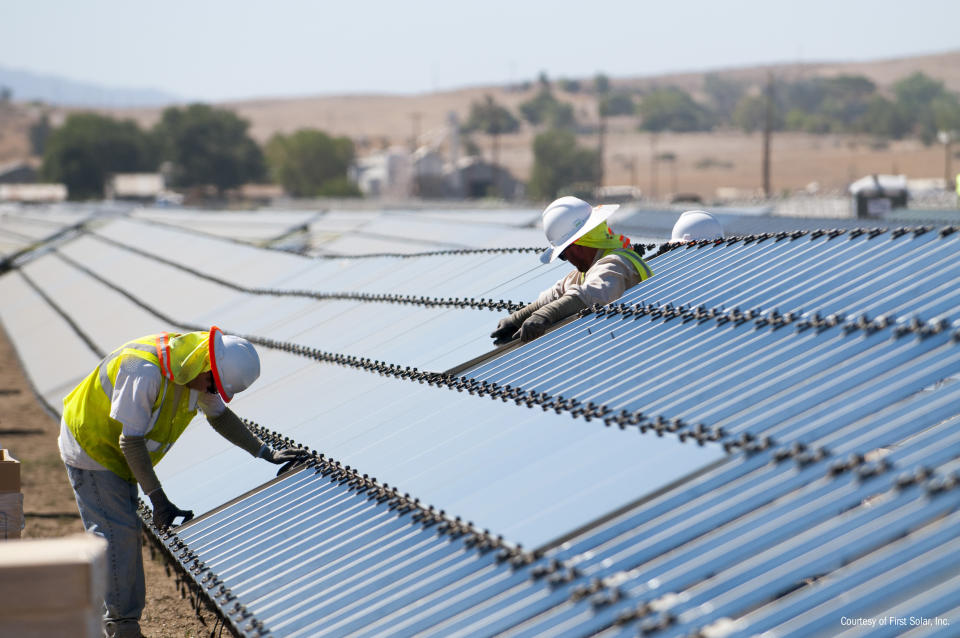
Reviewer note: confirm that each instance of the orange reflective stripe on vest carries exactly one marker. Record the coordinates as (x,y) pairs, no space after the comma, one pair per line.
(87,408)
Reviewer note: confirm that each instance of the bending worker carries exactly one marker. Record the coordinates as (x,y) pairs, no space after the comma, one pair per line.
(121,420)
(604,268)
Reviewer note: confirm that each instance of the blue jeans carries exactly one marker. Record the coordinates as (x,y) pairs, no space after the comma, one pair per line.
(108,508)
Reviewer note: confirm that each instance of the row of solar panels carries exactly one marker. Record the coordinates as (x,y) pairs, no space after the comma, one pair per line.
(846,512)
(113,293)
(314,553)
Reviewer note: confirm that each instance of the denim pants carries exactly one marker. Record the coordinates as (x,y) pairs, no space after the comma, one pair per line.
(108,508)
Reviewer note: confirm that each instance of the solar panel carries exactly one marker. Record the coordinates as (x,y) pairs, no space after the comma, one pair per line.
(765,435)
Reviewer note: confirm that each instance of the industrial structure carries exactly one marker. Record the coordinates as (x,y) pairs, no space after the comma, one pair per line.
(764,438)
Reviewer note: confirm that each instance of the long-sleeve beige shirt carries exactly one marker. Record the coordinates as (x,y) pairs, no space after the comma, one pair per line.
(604,282)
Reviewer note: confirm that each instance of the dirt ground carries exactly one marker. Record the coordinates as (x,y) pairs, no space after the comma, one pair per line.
(30,434)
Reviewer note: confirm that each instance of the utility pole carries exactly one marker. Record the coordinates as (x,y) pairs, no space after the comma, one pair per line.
(493,129)
(767,134)
(414,140)
(653,165)
(673,175)
(601,132)
(629,162)
(496,161)
(947,138)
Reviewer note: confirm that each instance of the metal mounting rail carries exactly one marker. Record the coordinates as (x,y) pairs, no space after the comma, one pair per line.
(418,300)
(660,424)
(209,588)
(569,585)
(191,576)
(430,253)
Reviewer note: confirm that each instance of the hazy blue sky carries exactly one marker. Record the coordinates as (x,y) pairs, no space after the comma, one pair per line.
(219,49)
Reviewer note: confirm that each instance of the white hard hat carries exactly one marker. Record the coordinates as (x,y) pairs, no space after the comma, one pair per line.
(234,362)
(568,219)
(696,225)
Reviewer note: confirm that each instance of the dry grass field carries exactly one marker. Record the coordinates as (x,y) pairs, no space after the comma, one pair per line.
(704,161)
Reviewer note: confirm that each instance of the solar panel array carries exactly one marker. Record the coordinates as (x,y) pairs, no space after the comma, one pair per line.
(764,436)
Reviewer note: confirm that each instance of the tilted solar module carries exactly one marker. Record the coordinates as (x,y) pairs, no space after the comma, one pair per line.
(765,436)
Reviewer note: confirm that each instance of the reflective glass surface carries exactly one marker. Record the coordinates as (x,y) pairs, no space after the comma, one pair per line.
(765,433)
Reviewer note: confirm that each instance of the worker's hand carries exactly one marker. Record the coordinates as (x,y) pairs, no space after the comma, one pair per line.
(504,332)
(289,457)
(164,511)
(532,328)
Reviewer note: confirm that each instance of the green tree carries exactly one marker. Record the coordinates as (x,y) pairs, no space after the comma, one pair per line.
(536,109)
(88,147)
(601,84)
(751,114)
(486,116)
(799,120)
(545,108)
(946,113)
(924,104)
(493,119)
(825,105)
(310,163)
(208,146)
(916,91)
(570,86)
(339,187)
(724,95)
(617,103)
(881,118)
(39,134)
(673,109)
(559,163)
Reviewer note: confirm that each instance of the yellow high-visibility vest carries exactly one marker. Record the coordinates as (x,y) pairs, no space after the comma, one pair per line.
(86,410)
(642,268)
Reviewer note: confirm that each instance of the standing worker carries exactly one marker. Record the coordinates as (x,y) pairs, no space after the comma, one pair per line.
(604,268)
(120,421)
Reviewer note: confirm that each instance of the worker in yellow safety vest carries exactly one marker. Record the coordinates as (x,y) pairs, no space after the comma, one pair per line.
(604,267)
(120,421)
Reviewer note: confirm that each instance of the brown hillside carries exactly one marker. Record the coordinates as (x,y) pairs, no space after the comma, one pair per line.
(942,66)
(724,158)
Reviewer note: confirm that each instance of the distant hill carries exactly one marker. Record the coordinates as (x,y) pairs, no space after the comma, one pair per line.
(52,89)
(703,162)
(944,66)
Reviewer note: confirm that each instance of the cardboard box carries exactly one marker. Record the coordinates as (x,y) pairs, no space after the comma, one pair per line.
(9,472)
(85,623)
(11,515)
(53,587)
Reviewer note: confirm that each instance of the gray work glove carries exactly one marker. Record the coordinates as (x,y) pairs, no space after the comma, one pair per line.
(509,325)
(504,332)
(288,457)
(548,315)
(164,511)
(532,328)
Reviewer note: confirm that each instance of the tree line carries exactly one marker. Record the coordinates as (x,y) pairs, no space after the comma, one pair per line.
(201,145)
(196,145)
(917,106)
